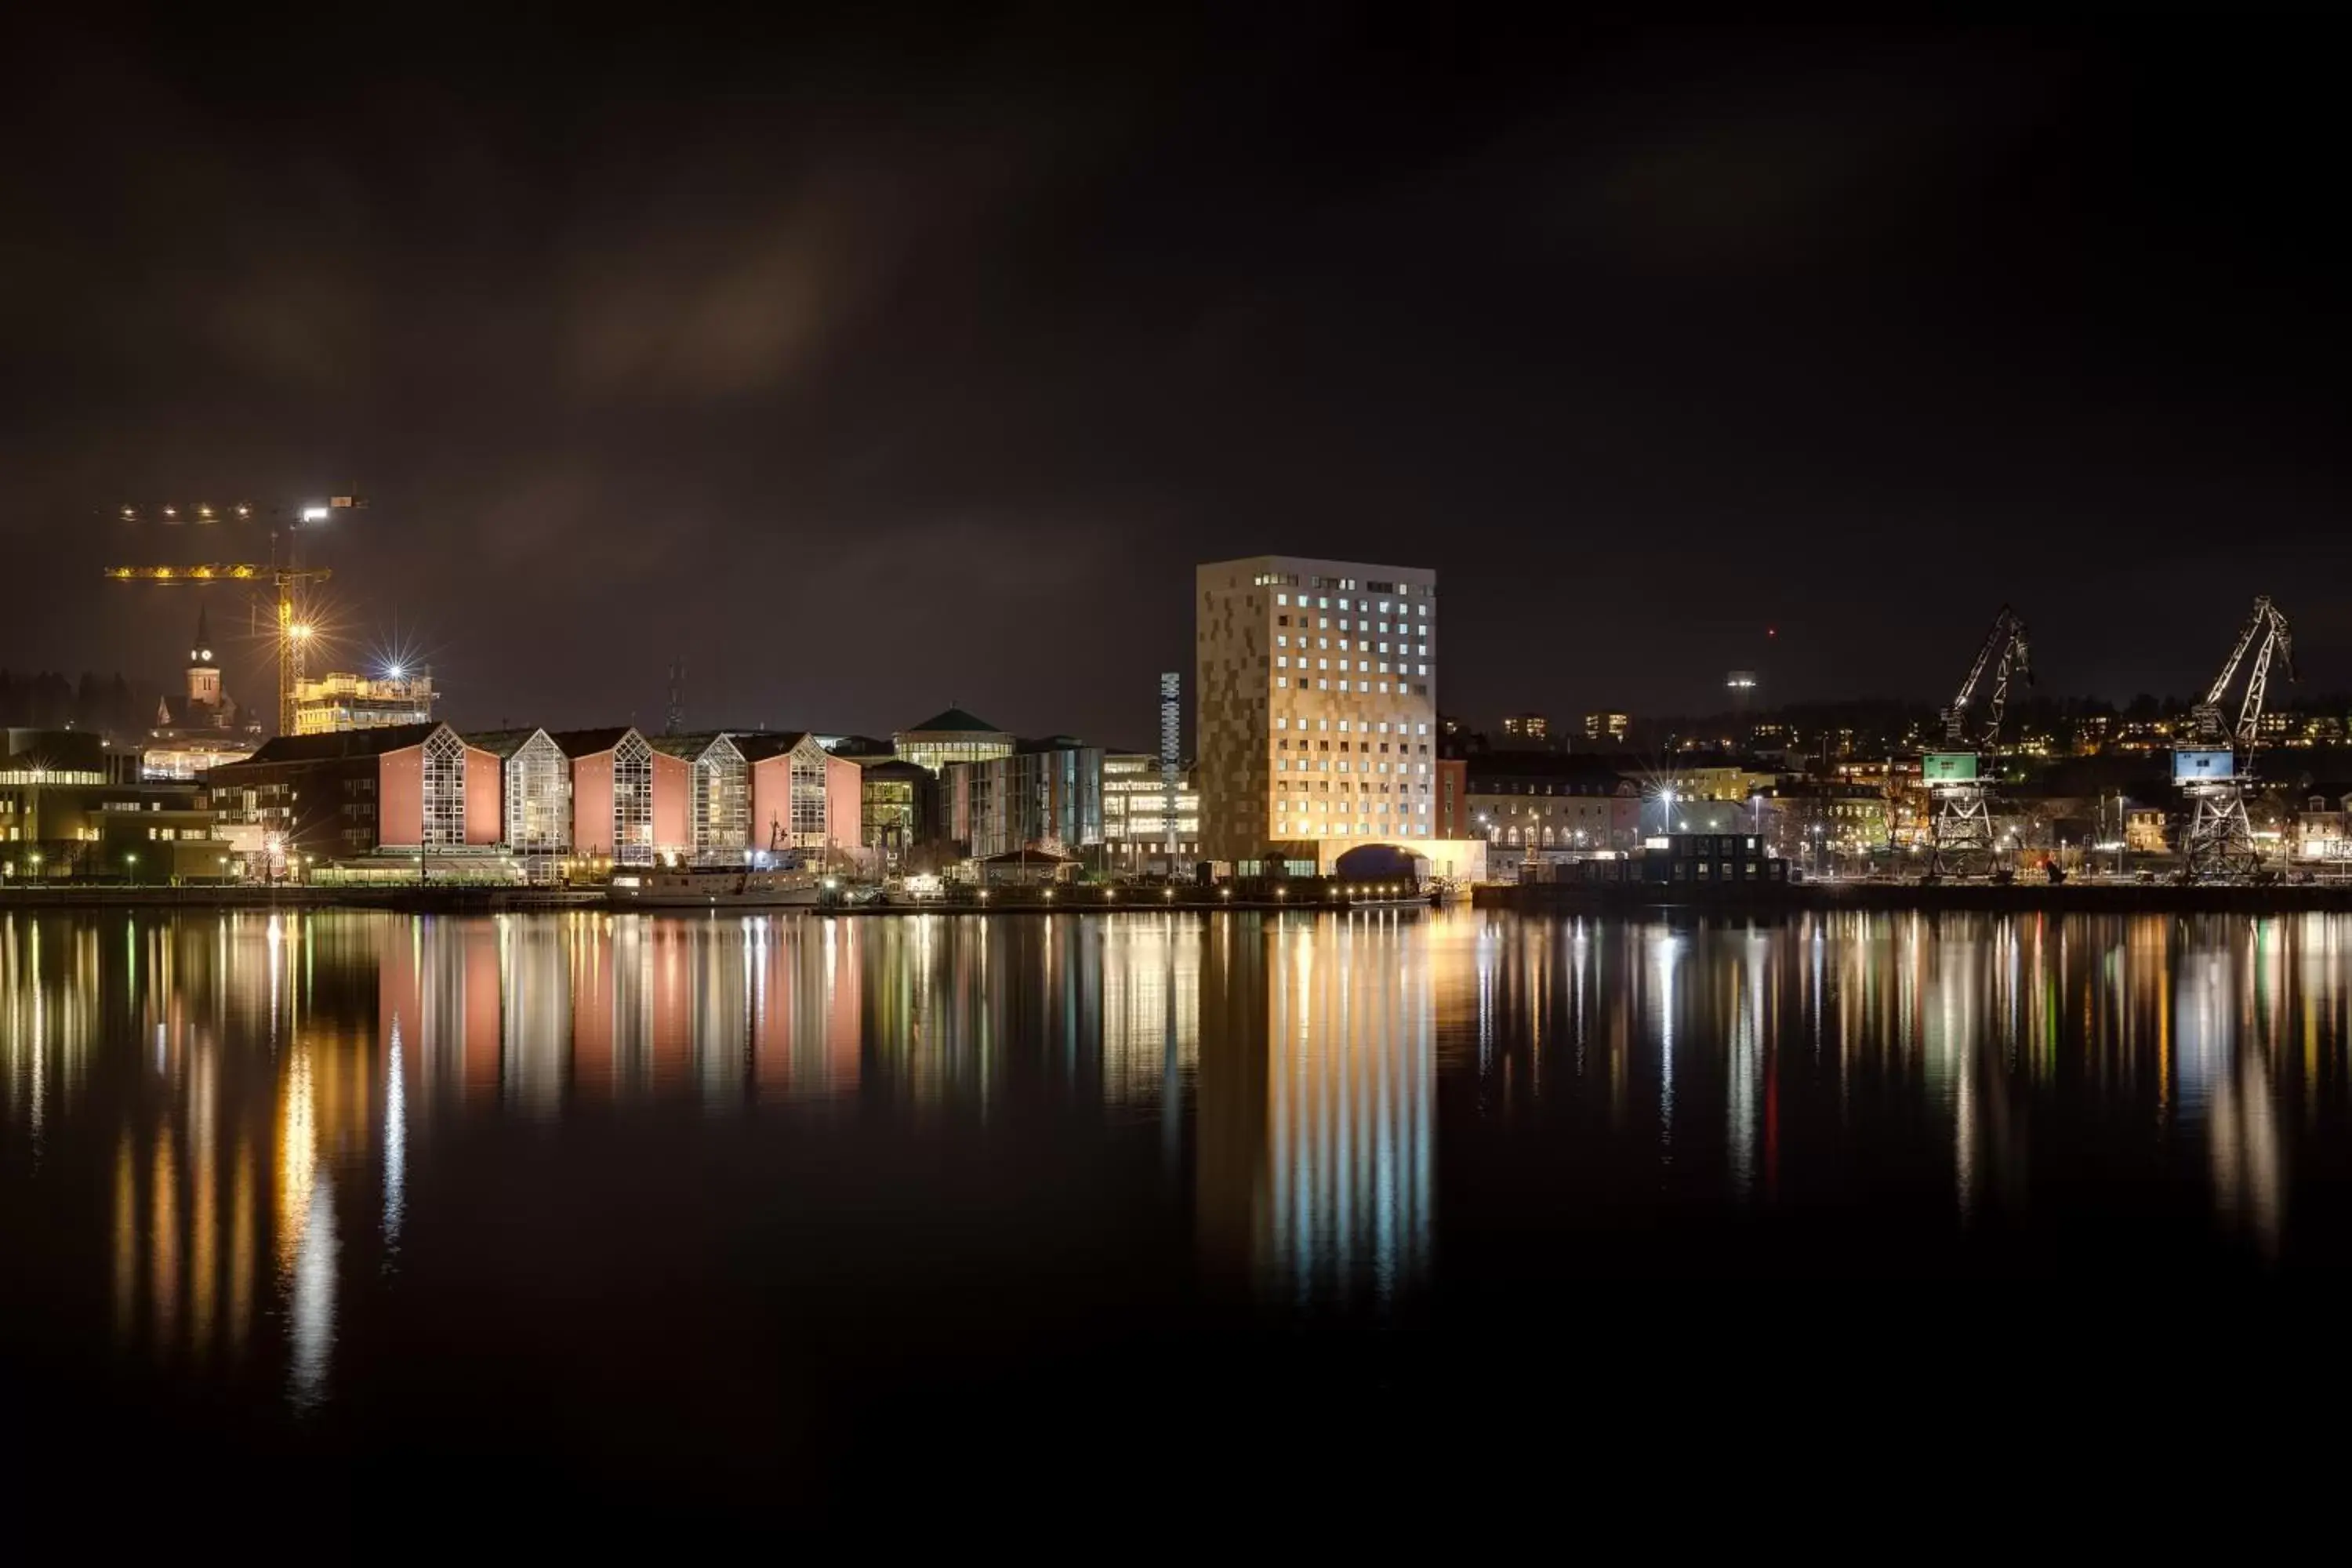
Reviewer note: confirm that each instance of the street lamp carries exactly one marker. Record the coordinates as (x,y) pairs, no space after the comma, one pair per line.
(131,859)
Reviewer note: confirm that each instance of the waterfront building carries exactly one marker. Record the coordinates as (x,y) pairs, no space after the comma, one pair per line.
(1818,822)
(612,795)
(2320,830)
(536,794)
(1026,868)
(415,787)
(1315,684)
(1452,815)
(1135,813)
(328,704)
(954,736)
(1047,794)
(894,800)
(1531,802)
(718,796)
(756,792)
(68,809)
(802,797)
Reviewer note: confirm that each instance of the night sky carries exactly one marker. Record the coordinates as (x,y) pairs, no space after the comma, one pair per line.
(869,364)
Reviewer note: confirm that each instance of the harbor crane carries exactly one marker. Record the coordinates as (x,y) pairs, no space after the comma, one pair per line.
(292,629)
(2214,760)
(1961,823)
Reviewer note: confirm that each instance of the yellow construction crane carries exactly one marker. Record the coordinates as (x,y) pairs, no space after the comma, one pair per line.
(288,577)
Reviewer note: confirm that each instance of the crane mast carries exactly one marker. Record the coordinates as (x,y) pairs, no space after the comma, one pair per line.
(1961,824)
(2212,764)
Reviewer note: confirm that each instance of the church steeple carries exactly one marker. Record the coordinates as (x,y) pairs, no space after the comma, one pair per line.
(203,677)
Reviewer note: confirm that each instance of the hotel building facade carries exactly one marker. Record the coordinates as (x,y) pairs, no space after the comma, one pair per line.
(1317,685)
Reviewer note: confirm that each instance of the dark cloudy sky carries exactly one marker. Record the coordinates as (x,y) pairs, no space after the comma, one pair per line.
(871,362)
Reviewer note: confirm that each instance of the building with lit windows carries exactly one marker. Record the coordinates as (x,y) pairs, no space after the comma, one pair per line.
(417,788)
(802,797)
(1526,726)
(70,809)
(1612,728)
(1315,683)
(1135,814)
(1047,795)
(755,793)
(895,800)
(328,704)
(1524,803)
(535,795)
(954,736)
(1452,815)
(613,796)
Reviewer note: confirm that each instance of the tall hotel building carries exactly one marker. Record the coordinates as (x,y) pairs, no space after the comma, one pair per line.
(1317,720)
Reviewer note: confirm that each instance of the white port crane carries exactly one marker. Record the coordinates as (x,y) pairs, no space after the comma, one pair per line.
(2213,762)
(1960,828)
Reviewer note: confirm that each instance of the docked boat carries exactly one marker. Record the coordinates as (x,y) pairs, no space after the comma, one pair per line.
(717,886)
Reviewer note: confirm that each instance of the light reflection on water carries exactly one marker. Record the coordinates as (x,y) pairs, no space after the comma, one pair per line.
(229,1132)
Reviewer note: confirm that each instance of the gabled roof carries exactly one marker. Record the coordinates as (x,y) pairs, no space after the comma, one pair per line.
(337,745)
(499,743)
(759,745)
(576,743)
(686,746)
(954,721)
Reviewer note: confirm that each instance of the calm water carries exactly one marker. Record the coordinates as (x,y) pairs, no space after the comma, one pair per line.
(732,1208)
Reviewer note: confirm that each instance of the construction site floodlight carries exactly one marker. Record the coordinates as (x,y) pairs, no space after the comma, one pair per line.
(314,514)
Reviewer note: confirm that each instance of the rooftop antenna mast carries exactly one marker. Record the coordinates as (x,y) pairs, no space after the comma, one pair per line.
(674,719)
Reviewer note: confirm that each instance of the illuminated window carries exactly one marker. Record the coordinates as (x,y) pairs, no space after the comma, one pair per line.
(444,790)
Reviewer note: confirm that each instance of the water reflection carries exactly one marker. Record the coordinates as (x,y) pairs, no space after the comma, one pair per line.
(257,1106)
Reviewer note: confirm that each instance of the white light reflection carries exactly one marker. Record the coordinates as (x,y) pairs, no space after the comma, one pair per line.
(1666,954)
(312,1311)
(396,1147)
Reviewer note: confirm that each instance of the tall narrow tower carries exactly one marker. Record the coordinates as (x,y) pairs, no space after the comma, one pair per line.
(204,675)
(1172,687)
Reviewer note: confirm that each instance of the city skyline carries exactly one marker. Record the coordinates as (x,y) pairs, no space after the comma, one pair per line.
(1646,342)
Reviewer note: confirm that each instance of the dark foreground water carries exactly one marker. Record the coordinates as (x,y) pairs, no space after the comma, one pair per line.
(730,1213)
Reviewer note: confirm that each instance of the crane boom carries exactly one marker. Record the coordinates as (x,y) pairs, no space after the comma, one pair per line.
(2276,644)
(2007,638)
